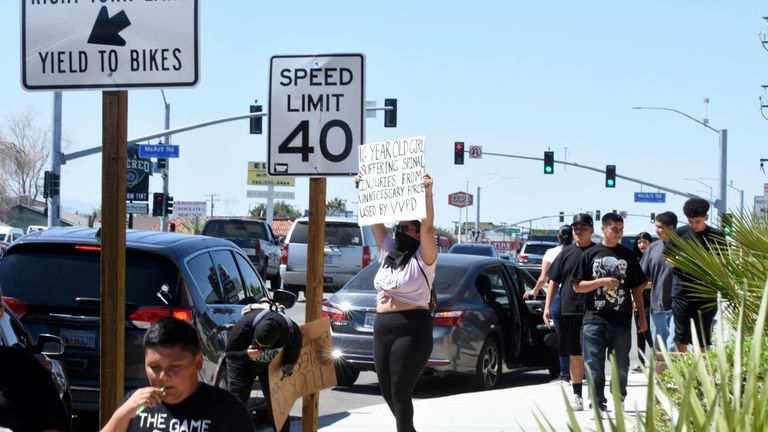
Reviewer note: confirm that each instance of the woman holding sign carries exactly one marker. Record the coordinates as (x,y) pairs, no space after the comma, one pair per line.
(402,331)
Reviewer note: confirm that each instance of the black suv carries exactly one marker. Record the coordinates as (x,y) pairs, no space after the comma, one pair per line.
(50,280)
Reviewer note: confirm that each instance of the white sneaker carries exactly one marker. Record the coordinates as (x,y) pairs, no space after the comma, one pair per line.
(577,403)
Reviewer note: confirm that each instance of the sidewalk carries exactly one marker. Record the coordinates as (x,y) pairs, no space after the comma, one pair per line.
(509,409)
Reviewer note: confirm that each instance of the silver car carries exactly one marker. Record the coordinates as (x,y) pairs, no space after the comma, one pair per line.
(482,326)
(347,249)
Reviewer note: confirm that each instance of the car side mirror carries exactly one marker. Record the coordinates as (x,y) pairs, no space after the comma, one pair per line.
(50,345)
(284,298)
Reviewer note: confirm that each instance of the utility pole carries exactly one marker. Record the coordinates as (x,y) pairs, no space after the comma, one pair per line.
(53,204)
(213,198)
(166,171)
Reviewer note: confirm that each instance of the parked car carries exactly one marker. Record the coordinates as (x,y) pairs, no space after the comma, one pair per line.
(482,249)
(33,228)
(482,326)
(255,238)
(9,234)
(13,334)
(50,280)
(3,247)
(532,252)
(348,248)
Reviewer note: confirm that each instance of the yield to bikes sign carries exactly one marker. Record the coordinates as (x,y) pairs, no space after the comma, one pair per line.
(316,113)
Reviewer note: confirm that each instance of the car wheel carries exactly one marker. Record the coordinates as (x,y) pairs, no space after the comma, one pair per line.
(346,375)
(488,365)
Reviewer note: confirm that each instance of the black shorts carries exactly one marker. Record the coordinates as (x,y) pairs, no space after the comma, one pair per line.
(570,334)
(684,310)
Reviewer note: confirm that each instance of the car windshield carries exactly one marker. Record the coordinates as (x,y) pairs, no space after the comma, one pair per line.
(537,249)
(446,279)
(336,233)
(472,250)
(65,276)
(235,229)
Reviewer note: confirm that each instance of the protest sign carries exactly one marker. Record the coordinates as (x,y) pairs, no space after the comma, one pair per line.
(313,372)
(391,184)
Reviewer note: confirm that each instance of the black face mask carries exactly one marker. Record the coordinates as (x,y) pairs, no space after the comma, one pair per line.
(405,247)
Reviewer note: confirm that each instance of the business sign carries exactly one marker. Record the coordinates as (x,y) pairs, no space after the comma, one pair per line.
(137,175)
(137,208)
(316,113)
(189,209)
(650,197)
(158,151)
(257,176)
(99,44)
(459,199)
(271,194)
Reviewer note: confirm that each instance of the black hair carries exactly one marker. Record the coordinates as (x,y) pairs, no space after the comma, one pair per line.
(170,332)
(695,207)
(416,223)
(643,235)
(611,217)
(565,235)
(668,219)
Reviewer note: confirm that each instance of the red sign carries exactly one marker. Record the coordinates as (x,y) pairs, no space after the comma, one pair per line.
(459,199)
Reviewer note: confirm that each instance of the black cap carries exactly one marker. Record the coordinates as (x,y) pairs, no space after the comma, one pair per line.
(582,218)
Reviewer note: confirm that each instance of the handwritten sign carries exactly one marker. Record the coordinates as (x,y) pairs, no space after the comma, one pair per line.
(391,186)
(313,372)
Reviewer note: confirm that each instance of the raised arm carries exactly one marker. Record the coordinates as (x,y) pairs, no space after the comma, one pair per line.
(428,248)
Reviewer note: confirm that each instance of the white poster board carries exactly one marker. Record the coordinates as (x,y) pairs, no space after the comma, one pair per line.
(391,184)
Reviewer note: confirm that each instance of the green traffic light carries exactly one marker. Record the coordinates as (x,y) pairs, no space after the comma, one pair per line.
(609,183)
(548,169)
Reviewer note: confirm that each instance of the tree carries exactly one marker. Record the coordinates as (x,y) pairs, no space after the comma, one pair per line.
(24,151)
(280,209)
(336,204)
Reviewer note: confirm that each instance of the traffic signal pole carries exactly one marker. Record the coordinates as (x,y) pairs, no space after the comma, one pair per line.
(601,171)
(166,171)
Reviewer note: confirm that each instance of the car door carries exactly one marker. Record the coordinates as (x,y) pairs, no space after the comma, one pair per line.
(536,352)
(502,288)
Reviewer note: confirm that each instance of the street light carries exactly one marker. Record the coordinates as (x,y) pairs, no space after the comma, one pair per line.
(711,197)
(741,196)
(720,204)
(477,217)
(466,197)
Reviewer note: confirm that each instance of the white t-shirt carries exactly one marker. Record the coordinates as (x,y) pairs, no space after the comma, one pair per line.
(551,254)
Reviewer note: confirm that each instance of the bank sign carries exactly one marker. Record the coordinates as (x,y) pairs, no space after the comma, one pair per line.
(70,44)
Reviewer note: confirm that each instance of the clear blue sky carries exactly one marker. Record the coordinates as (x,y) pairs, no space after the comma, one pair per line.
(514,77)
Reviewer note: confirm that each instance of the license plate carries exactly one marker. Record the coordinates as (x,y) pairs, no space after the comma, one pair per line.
(78,338)
(369,318)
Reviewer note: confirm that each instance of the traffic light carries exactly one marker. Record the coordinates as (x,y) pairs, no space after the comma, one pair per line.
(158,203)
(549,162)
(458,153)
(53,186)
(168,205)
(597,215)
(46,184)
(390,116)
(256,122)
(562,217)
(653,217)
(610,176)
(162,163)
(726,224)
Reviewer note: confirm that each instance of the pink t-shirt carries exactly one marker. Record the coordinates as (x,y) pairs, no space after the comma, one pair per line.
(406,284)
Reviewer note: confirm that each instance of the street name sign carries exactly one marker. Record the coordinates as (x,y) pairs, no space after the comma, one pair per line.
(69,44)
(273,194)
(316,114)
(136,208)
(189,209)
(158,151)
(650,197)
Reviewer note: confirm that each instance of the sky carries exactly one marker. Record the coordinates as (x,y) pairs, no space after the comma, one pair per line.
(516,78)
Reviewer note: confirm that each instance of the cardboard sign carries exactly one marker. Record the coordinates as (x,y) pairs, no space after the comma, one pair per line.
(313,372)
(392,186)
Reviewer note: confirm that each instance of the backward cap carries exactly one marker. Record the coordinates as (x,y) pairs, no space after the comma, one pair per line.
(583,219)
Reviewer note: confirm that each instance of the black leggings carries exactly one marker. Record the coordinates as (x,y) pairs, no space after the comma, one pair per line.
(402,343)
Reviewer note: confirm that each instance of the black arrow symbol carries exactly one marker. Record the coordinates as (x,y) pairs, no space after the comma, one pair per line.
(105,29)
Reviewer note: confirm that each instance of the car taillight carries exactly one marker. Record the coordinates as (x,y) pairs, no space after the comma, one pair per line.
(257,247)
(332,312)
(145,316)
(448,318)
(522,258)
(366,256)
(284,254)
(17,307)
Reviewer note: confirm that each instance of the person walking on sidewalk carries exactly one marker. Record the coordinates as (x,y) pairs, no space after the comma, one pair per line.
(640,247)
(685,305)
(565,238)
(611,278)
(561,274)
(655,267)
(402,331)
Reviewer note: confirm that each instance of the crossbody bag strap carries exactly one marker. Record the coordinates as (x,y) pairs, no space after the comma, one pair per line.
(432,296)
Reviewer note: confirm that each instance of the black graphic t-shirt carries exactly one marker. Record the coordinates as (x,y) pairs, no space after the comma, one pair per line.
(562,270)
(209,409)
(604,305)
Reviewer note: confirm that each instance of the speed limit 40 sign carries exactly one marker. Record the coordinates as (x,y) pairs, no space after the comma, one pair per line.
(316,113)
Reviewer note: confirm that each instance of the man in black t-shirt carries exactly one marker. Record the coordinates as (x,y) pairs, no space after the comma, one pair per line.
(176,400)
(560,274)
(611,278)
(685,306)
